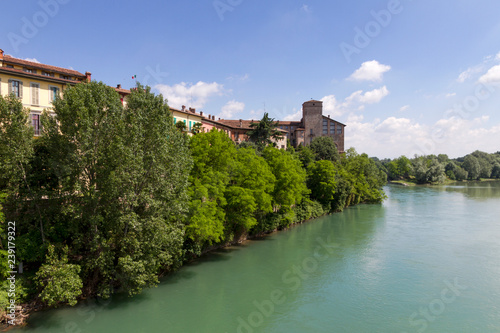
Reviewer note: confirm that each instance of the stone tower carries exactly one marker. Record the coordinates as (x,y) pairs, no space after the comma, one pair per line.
(312,116)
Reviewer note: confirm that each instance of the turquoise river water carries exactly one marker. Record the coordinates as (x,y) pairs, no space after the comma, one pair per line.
(426,260)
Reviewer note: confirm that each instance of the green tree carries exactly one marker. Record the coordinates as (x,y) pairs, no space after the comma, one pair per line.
(435,172)
(249,196)
(197,128)
(325,149)
(122,180)
(181,126)
(213,156)
(58,280)
(306,155)
(264,131)
(321,182)
(290,187)
(472,166)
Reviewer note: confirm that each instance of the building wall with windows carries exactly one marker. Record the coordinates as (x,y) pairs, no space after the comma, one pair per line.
(37,85)
(188,116)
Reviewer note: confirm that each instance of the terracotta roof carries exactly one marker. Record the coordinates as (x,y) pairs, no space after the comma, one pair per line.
(289,123)
(186,112)
(10,59)
(122,91)
(338,122)
(20,72)
(245,124)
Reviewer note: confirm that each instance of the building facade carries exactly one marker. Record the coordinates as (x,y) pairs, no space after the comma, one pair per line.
(313,124)
(188,116)
(35,84)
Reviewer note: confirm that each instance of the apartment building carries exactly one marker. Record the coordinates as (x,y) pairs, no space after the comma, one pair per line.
(37,85)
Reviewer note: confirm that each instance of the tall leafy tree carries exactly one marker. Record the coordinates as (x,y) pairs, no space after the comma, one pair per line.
(213,156)
(249,196)
(264,131)
(325,149)
(122,180)
(321,182)
(472,166)
(290,186)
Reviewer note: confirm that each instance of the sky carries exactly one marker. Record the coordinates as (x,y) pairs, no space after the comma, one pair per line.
(406,76)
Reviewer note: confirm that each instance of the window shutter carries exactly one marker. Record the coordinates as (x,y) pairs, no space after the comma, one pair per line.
(0,86)
(10,86)
(35,87)
(21,89)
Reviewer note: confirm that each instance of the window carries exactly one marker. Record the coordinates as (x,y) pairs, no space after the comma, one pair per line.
(332,128)
(9,66)
(29,70)
(339,129)
(47,74)
(53,93)
(35,88)
(311,131)
(286,127)
(16,88)
(65,77)
(325,126)
(35,122)
(292,127)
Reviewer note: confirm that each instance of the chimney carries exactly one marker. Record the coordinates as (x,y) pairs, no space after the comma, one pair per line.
(1,54)
(119,86)
(89,76)
(241,123)
(183,107)
(193,110)
(213,117)
(328,116)
(201,113)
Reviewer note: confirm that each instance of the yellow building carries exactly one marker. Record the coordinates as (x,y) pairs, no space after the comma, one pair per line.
(188,116)
(37,85)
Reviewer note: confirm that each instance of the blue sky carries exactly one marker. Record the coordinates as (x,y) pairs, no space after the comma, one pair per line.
(406,77)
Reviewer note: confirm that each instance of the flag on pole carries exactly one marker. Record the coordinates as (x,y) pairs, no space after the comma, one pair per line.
(134,77)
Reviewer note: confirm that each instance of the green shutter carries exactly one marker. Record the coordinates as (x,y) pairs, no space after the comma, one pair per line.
(21,89)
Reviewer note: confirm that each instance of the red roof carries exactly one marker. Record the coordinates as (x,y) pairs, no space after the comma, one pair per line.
(10,59)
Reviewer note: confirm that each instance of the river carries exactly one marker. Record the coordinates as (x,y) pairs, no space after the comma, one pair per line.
(426,260)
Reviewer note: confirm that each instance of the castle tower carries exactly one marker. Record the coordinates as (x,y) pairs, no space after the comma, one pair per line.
(312,116)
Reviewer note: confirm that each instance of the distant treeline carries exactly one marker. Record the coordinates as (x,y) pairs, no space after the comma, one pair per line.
(109,197)
(438,169)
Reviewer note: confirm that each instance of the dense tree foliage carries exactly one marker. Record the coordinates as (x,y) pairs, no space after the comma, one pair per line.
(436,169)
(264,132)
(324,148)
(111,196)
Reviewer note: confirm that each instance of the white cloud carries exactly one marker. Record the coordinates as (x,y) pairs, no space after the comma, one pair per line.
(451,95)
(492,76)
(231,108)
(497,57)
(196,95)
(32,60)
(241,78)
(393,137)
(294,116)
(369,97)
(404,108)
(370,71)
(374,96)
